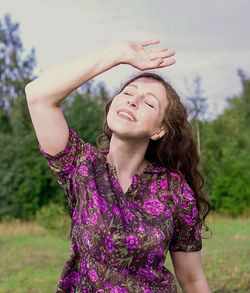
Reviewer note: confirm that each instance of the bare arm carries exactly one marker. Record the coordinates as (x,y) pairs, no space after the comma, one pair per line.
(45,93)
(54,85)
(189,271)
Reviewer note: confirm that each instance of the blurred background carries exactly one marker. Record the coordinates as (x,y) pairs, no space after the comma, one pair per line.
(212,77)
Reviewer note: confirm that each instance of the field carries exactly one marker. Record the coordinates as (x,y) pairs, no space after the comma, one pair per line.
(32,258)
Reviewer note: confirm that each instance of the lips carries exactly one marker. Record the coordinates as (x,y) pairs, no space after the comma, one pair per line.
(129,112)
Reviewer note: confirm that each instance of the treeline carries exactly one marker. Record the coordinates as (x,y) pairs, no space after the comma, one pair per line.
(28,185)
(225,152)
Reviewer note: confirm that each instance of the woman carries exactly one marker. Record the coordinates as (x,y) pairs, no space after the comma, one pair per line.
(136,196)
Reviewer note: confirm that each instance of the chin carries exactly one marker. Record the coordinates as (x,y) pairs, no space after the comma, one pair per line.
(120,133)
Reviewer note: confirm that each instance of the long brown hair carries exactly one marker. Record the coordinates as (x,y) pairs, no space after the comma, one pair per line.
(176,149)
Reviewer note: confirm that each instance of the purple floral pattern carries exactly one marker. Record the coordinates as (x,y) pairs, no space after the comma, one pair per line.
(119,241)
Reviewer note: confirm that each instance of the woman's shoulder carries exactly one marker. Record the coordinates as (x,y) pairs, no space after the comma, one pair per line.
(176,176)
(180,186)
(81,150)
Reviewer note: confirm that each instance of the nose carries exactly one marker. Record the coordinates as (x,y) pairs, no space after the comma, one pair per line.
(133,101)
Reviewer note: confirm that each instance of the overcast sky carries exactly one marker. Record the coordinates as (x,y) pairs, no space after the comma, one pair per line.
(210,38)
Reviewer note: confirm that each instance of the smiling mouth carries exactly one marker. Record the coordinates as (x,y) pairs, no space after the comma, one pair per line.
(125,117)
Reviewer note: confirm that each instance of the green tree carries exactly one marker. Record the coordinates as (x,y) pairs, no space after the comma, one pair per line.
(225,149)
(27,182)
(16,70)
(15,127)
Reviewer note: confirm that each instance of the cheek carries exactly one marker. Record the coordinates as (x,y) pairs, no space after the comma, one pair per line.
(109,117)
(112,118)
(149,116)
(150,120)
(115,105)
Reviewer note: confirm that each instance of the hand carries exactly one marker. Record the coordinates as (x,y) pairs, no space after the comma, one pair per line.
(135,54)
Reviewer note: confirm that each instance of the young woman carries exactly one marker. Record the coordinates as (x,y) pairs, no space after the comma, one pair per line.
(138,194)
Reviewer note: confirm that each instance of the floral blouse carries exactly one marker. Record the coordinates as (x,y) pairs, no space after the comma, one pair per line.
(119,242)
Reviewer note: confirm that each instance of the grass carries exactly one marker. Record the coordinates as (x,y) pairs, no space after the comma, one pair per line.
(32,258)
(225,256)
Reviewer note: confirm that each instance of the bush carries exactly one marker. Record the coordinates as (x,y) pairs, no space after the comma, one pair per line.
(54,218)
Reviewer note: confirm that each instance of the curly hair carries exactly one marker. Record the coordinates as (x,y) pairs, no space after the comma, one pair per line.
(176,149)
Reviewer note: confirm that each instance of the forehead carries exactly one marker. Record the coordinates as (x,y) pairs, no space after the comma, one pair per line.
(150,85)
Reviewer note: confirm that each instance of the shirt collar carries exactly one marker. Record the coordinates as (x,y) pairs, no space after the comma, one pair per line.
(152,168)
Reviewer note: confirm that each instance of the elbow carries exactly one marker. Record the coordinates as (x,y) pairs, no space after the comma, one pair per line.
(29,92)
(197,286)
(32,91)
(193,284)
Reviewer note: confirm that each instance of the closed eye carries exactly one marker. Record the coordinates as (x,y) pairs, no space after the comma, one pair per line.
(150,105)
(145,102)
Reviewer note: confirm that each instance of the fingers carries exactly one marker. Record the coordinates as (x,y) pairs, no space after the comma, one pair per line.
(160,63)
(160,58)
(149,42)
(168,62)
(160,54)
(157,50)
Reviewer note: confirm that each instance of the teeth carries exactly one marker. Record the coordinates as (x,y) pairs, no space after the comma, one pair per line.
(127,115)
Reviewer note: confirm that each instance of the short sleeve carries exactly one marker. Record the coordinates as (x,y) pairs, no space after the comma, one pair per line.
(63,164)
(187,232)
(65,160)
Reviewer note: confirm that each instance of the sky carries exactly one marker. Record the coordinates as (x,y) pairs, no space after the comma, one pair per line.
(209,37)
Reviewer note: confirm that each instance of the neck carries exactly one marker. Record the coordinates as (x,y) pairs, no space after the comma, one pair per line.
(127,155)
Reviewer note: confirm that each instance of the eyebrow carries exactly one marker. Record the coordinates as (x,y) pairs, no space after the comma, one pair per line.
(148,93)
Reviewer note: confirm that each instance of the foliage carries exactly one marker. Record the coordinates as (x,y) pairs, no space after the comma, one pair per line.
(86,115)
(16,70)
(226,157)
(32,258)
(28,184)
(54,217)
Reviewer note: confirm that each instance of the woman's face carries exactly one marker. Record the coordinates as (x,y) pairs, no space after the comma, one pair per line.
(145,99)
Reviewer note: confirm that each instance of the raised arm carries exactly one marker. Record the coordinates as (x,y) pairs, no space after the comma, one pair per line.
(45,93)
(54,85)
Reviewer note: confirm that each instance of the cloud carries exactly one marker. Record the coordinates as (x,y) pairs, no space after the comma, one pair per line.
(210,38)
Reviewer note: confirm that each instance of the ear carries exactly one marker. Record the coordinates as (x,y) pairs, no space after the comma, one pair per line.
(159,133)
